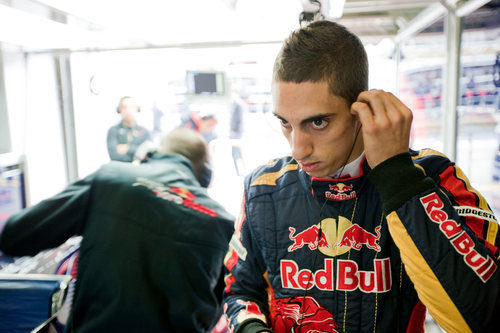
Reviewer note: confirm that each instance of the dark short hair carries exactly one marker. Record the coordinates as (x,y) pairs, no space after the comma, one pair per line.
(324,51)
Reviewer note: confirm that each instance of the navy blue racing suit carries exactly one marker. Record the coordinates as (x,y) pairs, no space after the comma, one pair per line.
(363,254)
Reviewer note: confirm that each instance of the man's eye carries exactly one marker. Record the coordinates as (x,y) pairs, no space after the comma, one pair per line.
(283,122)
(319,123)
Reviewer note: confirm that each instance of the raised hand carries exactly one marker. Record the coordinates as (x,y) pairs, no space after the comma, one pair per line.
(386,124)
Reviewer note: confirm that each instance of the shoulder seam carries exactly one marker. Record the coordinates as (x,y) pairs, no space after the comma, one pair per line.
(428,152)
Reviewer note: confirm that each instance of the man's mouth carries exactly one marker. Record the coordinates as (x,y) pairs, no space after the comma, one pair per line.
(309,167)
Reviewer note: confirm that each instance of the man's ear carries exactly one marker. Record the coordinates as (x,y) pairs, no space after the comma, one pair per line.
(204,175)
(357,122)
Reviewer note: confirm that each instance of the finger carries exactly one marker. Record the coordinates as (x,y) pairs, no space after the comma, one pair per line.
(399,115)
(364,113)
(403,109)
(395,113)
(377,104)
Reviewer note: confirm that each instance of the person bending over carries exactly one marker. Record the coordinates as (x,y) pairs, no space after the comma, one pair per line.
(153,241)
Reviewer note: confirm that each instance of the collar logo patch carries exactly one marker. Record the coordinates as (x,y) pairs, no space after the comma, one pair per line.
(339,192)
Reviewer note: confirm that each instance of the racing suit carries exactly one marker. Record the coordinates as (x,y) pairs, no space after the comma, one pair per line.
(363,254)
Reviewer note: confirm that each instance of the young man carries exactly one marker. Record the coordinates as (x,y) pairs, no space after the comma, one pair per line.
(355,232)
(125,137)
(153,242)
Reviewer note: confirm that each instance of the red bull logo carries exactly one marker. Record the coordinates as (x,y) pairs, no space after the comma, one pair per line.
(307,237)
(182,192)
(177,195)
(355,237)
(340,192)
(340,187)
(483,266)
(348,276)
(301,315)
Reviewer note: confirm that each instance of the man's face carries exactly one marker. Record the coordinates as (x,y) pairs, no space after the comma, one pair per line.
(207,124)
(128,109)
(318,126)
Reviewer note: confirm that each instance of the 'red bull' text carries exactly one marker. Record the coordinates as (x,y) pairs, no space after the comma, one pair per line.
(348,276)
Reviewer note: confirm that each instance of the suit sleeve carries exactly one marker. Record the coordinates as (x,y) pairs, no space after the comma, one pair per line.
(448,240)
(48,223)
(245,297)
(112,143)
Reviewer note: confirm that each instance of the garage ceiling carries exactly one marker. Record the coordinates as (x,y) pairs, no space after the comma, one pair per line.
(113,24)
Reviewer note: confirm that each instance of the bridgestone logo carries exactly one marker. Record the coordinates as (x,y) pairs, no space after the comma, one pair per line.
(475,212)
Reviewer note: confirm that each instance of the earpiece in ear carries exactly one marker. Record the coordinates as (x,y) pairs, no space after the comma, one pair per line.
(357,123)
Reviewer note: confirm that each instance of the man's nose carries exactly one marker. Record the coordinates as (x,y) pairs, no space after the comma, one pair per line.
(301,145)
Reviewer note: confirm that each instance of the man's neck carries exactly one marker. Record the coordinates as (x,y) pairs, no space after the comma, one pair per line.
(352,169)
(130,123)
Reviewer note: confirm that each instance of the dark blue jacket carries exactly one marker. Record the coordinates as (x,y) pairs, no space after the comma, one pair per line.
(364,254)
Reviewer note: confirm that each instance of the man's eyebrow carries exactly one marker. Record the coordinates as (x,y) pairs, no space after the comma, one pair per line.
(315,117)
(320,116)
(278,116)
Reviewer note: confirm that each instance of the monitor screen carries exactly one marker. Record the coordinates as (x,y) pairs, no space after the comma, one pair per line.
(205,83)
(12,195)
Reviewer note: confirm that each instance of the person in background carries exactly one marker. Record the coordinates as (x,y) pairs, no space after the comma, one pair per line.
(153,241)
(236,132)
(355,232)
(203,123)
(125,137)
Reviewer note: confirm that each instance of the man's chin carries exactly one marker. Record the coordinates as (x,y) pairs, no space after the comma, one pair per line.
(316,174)
(320,172)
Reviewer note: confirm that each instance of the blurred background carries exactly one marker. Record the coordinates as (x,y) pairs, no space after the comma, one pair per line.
(64,65)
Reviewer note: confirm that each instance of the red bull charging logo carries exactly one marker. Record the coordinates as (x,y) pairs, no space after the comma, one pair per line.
(177,195)
(355,237)
(340,187)
(307,237)
(301,315)
(336,238)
